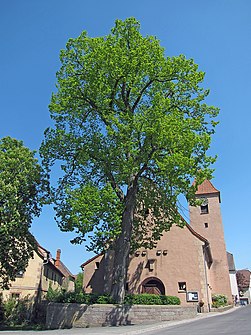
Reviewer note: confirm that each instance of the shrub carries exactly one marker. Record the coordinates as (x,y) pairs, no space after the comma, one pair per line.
(56,295)
(170,300)
(151,299)
(219,300)
(89,299)
(16,312)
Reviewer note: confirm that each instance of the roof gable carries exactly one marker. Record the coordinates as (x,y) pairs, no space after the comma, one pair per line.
(207,188)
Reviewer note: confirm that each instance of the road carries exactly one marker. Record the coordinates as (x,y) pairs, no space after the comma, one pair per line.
(233,322)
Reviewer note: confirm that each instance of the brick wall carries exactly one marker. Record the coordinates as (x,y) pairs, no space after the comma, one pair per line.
(76,315)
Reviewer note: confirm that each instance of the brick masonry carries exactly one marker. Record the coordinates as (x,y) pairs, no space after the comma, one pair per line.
(61,315)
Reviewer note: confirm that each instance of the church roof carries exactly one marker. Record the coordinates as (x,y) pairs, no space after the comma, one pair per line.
(207,188)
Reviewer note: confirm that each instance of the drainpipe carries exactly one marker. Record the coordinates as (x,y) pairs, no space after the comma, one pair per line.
(206,282)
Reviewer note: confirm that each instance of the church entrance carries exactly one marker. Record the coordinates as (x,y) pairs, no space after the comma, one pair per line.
(153,285)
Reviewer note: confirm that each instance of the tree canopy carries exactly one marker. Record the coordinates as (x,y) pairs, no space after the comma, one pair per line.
(131,131)
(21,194)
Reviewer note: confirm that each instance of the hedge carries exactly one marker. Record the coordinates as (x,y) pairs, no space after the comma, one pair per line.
(130,299)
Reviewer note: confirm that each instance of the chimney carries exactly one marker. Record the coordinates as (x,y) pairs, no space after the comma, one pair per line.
(58,258)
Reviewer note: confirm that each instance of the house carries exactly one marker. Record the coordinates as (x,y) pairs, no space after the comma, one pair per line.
(244,286)
(189,262)
(233,278)
(42,272)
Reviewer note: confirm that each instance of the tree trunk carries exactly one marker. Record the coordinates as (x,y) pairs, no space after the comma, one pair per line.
(122,249)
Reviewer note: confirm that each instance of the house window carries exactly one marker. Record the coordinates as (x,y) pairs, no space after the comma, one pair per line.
(47,274)
(204,209)
(15,296)
(97,265)
(206,225)
(182,286)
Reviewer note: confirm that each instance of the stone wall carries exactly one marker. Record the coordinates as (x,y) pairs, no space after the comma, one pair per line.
(61,315)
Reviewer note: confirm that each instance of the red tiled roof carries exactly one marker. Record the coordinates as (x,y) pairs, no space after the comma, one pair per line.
(206,187)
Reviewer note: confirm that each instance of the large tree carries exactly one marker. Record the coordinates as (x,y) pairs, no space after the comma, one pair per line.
(22,186)
(131,132)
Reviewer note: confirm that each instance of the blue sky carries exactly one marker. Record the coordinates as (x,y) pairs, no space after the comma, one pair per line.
(215,33)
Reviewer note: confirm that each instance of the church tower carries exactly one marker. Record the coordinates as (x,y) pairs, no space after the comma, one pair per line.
(206,220)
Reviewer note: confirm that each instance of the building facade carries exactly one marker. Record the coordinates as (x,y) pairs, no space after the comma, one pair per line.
(189,262)
(233,278)
(42,272)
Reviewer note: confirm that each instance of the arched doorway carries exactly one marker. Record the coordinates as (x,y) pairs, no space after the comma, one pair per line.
(153,285)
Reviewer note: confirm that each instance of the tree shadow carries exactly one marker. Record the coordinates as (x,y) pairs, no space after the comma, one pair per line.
(63,315)
(118,316)
(135,279)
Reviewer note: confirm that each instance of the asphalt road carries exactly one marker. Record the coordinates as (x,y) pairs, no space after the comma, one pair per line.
(234,322)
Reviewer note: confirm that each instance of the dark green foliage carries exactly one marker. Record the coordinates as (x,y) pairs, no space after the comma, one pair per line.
(16,312)
(79,283)
(219,300)
(77,297)
(151,299)
(130,299)
(22,187)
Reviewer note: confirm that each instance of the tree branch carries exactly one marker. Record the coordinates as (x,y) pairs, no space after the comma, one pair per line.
(115,186)
(114,92)
(140,94)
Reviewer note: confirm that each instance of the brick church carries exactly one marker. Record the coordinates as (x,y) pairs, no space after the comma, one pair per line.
(189,262)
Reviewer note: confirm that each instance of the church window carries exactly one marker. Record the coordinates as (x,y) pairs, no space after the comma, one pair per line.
(97,265)
(182,286)
(206,225)
(204,209)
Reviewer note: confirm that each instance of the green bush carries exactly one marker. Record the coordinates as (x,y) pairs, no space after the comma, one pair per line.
(16,312)
(151,299)
(56,295)
(219,300)
(89,299)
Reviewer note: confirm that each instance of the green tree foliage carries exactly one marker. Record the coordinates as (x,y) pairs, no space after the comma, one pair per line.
(21,194)
(79,282)
(131,131)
